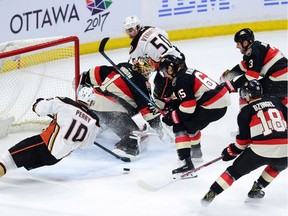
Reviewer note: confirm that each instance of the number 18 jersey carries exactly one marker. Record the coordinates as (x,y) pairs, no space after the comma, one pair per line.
(263,125)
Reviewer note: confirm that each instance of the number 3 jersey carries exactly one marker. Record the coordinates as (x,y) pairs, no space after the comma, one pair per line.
(74,126)
(263,126)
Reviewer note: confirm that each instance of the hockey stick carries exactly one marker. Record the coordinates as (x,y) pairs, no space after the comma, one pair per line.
(125,159)
(185,175)
(101,51)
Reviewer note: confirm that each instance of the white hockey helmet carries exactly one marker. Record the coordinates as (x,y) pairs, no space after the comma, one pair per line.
(131,22)
(87,96)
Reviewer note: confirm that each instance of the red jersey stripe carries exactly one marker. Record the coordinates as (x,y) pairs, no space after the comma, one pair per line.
(216,97)
(271,142)
(29,147)
(227,178)
(270,55)
(271,172)
(280,72)
(250,74)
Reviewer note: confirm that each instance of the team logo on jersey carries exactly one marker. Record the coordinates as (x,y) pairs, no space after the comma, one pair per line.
(98,6)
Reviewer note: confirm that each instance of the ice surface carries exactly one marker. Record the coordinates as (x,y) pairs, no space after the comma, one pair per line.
(91,182)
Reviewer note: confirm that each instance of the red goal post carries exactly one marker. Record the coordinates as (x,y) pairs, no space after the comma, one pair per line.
(35,68)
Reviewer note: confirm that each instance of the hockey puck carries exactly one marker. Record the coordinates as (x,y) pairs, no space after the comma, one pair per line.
(126,169)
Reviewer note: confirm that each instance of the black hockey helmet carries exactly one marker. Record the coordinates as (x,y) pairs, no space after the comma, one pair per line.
(244,34)
(170,60)
(251,89)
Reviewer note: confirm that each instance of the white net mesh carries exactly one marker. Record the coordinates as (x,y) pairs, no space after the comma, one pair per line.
(30,69)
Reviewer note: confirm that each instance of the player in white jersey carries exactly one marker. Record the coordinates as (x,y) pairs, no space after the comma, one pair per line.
(154,42)
(73,126)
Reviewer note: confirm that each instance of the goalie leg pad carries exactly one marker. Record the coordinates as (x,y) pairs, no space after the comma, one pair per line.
(131,145)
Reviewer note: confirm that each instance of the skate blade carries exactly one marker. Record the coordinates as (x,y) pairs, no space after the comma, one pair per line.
(197,160)
(178,176)
(252,200)
(205,203)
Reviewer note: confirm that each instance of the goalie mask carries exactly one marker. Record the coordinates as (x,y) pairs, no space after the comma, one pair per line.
(87,96)
(143,65)
(251,90)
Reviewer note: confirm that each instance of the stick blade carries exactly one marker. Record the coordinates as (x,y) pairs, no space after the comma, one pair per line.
(146,186)
(125,159)
(102,44)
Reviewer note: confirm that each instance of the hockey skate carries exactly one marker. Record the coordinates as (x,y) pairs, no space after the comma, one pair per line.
(208,198)
(196,153)
(256,193)
(186,166)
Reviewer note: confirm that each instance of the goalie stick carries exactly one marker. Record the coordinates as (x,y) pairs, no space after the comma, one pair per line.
(101,51)
(185,175)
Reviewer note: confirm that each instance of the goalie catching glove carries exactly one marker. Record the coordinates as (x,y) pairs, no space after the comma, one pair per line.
(230,152)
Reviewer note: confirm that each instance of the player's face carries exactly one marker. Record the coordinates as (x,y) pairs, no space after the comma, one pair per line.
(131,33)
(168,73)
(242,46)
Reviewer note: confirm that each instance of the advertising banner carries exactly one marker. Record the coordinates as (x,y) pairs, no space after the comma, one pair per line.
(89,20)
(92,20)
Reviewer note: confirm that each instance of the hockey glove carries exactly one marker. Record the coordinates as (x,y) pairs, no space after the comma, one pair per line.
(35,104)
(230,152)
(229,75)
(230,86)
(172,104)
(161,102)
(171,118)
(225,76)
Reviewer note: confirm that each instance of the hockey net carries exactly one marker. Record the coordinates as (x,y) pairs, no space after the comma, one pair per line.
(35,68)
